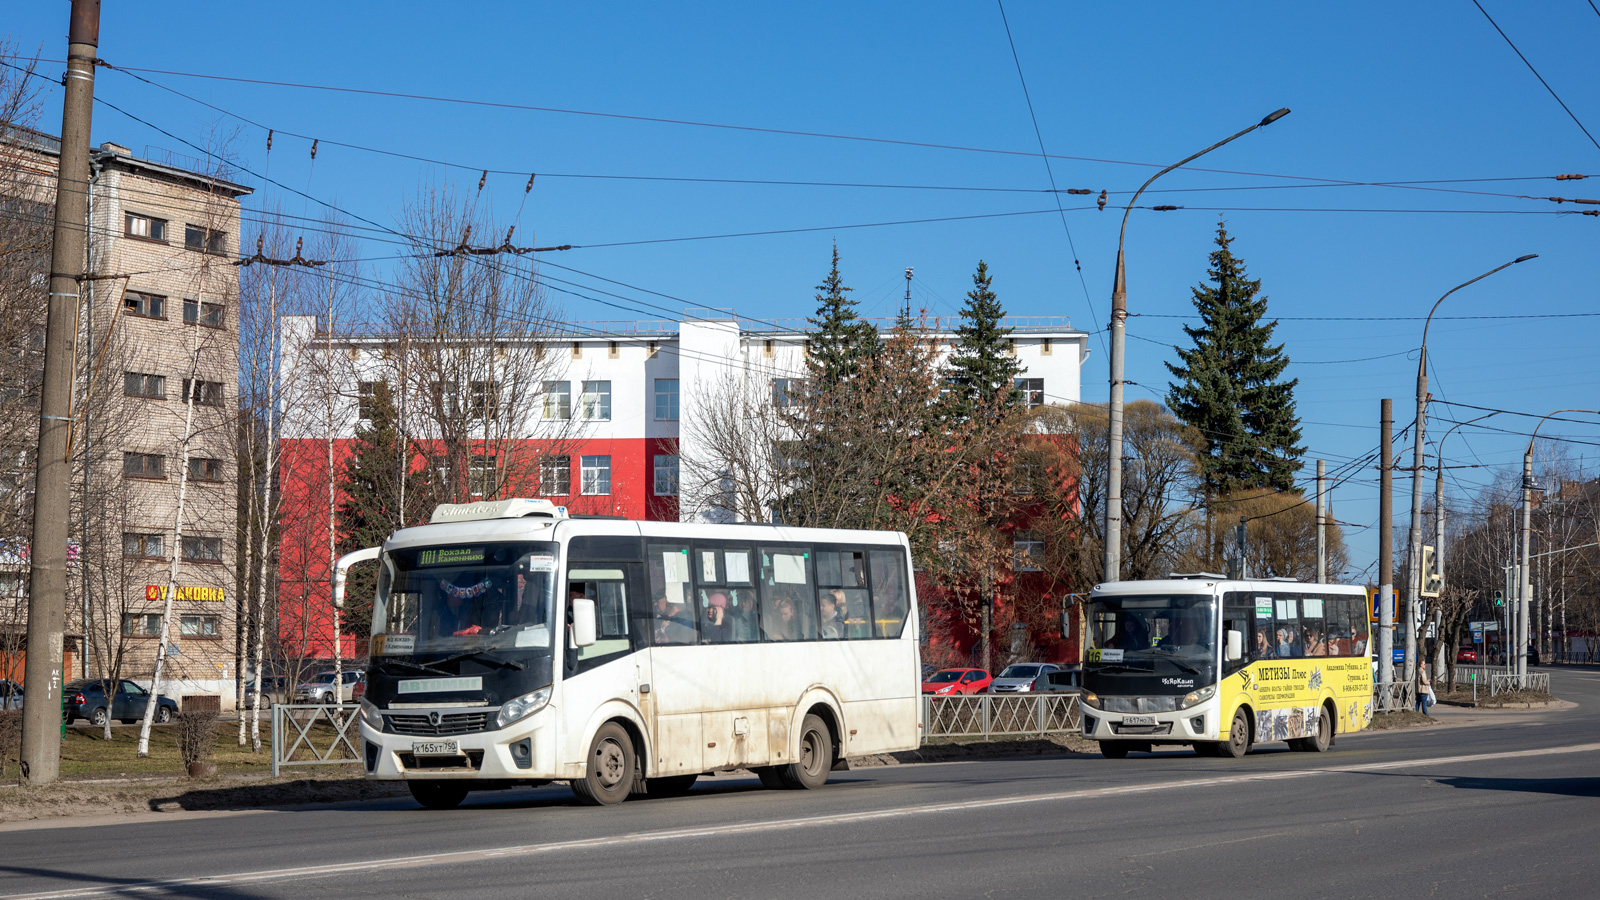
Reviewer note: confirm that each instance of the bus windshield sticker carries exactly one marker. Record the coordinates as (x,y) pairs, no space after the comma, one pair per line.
(450,556)
(1110,654)
(441,685)
(708,566)
(543,562)
(788,568)
(537,636)
(737,562)
(397,644)
(1264,607)
(675,571)
(1286,610)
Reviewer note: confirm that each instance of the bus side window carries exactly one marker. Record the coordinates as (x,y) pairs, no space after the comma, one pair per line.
(1313,621)
(1338,610)
(786,581)
(889,603)
(1358,627)
(1237,615)
(1290,639)
(670,597)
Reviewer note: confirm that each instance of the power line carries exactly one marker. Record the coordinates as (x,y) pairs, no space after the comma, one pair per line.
(1536,73)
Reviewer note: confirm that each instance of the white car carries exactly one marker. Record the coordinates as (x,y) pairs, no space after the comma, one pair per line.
(320,689)
(1020,677)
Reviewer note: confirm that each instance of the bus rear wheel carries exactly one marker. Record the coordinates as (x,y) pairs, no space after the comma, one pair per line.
(1323,739)
(438,794)
(1115,749)
(609,775)
(1238,742)
(815,760)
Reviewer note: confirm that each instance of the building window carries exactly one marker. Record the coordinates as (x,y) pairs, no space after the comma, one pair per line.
(198,238)
(1025,478)
(206,393)
(485,399)
(202,549)
(203,469)
(146,227)
(666,470)
(483,476)
(1026,551)
(558,399)
(612,351)
(767,348)
(651,349)
(144,465)
(195,312)
(198,626)
(1045,347)
(141,625)
(666,399)
(445,401)
(1032,390)
(555,476)
(366,395)
(597,400)
(13,585)
(136,303)
(596,476)
(783,392)
(577,350)
(143,545)
(140,384)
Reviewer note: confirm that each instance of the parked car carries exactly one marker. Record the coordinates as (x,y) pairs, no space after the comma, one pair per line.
(1019,677)
(273,690)
(1060,680)
(957,681)
(320,689)
(359,691)
(10,694)
(1466,655)
(122,700)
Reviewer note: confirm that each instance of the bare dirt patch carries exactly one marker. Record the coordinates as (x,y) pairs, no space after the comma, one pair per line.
(95,798)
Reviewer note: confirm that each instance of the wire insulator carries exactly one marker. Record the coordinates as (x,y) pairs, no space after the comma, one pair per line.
(530,182)
(313,148)
(1102,201)
(483,180)
(1571,177)
(1083,191)
(269,140)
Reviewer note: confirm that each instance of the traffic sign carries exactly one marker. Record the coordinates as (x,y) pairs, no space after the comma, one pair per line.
(1484,626)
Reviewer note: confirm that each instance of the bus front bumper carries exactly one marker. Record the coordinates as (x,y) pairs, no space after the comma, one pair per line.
(1185,726)
(522,751)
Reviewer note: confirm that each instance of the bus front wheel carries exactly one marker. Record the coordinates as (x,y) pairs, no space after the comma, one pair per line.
(1114,749)
(816,757)
(609,777)
(438,794)
(1238,742)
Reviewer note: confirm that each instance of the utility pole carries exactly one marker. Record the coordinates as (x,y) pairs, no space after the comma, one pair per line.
(908,293)
(1322,523)
(47,582)
(1386,549)
(1524,580)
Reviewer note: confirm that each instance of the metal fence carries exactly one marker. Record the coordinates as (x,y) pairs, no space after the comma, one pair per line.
(1394,696)
(311,734)
(989,715)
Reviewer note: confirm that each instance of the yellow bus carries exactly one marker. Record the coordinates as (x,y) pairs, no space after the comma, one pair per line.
(1223,665)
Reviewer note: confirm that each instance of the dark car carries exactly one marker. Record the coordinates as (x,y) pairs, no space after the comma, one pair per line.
(1070,680)
(126,703)
(273,690)
(10,694)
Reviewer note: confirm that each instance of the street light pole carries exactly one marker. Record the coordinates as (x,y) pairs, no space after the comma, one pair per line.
(1119,319)
(1524,589)
(1414,557)
(1438,515)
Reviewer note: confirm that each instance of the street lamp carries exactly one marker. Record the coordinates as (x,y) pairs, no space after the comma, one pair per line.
(1438,502)
(1119,320)
(1414,563)
(1524,588)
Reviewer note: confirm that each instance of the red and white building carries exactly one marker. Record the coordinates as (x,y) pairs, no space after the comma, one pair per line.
(611,412)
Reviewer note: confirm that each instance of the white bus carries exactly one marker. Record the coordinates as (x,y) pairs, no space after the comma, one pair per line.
(1224,665)
(512,645)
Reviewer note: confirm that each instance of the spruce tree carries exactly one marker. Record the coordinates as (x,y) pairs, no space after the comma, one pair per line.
(841,341)
(982,371)
(1229,383)
(371,487)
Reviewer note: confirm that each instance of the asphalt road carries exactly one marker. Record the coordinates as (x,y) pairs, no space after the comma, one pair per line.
(1498,805)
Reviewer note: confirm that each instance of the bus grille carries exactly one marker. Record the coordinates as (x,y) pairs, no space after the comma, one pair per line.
(449,723)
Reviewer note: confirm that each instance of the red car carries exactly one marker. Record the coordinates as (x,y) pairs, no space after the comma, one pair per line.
(957,681)
(1466,655)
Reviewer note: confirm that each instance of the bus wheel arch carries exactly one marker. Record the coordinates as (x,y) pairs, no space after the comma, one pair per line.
(1244,720)
(627,718)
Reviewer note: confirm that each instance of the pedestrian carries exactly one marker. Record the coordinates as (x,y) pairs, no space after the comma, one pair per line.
(1425,696)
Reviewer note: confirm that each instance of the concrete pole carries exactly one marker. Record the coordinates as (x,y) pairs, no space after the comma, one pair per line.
(1322,522)
(1413,616)
(1523,585)
(1386,547)
(47,583)
(1438,558)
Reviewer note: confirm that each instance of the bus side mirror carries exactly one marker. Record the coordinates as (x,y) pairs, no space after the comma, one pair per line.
(1235,645)
(582,622)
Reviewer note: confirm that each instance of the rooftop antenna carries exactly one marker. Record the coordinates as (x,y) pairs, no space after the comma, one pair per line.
(908,293)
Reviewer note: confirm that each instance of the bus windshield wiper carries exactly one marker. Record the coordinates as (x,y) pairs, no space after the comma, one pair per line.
(1172,657)
(484,656)
(1113,667)
(411,665)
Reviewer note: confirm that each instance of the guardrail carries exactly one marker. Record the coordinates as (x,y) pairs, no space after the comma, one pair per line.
(1533,681)
(988,715)
(315,734)
(1394,696)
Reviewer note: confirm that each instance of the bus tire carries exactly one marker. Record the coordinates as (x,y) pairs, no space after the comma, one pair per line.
(1115,749)
(1207,748)
(771,776)
(1238,742)
(1323,739)
(815,760)
(609,773)
(438,794)
(670,785)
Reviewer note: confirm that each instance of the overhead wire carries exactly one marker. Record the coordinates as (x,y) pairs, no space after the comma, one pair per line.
(1513,46)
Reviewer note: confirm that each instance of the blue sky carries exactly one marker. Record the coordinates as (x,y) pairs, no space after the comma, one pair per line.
(1380,92)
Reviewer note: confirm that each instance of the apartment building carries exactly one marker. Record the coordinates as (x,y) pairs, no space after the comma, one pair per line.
(155,417)
(609,419)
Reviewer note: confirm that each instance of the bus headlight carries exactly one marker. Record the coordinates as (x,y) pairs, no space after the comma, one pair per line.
(1195,698)
(522,707)
(371,716)
(1089,699)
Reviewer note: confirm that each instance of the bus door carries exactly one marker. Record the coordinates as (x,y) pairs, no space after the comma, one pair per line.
(617,665)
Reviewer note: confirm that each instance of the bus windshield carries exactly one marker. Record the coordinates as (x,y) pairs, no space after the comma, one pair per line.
(466,597)
(1167,634)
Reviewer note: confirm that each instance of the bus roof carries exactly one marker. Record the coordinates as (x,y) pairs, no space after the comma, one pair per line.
(1220,586)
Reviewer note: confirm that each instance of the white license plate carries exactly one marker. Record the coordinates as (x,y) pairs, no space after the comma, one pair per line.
(1138,720)
(435,748)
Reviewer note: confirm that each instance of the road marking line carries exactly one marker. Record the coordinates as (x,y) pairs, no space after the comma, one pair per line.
(466,856)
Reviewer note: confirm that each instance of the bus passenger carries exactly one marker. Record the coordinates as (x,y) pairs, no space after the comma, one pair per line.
(717,629)
(1131,633)
(1316,644)
(832,622)
(783,626)
(741,613)
(1264,648)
